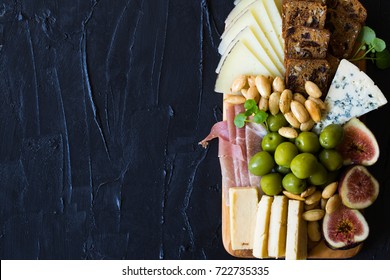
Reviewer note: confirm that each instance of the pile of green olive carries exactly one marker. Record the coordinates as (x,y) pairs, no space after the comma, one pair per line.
(295,164)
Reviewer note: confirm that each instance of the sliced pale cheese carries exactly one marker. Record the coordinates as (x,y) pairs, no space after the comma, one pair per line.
(240,61)
(255,14)
(243,208)
(278,227)
(232,35)
(247,37)
(296,243)
(260,239)
(276,19)
(352,94)
(237,11)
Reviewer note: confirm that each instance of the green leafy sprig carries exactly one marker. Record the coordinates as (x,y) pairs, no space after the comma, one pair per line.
(251,109)
(374,49)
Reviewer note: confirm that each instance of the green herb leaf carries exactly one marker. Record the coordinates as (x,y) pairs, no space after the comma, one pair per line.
(383,59)
(260,117)
(239,120)
(367,35)
(250,104)
(379,45)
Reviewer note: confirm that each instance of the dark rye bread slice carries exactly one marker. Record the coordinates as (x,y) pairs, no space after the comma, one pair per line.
(306,42)
(318,1)
(345,31)
(302,13)
(334,64)
(298,71)
(353,8)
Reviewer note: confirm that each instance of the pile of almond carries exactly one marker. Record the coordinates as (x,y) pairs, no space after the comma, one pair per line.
(301,110)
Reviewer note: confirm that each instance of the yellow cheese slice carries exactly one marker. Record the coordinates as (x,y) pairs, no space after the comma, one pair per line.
(260,239)
(240,61)
(232,35)
(278,227)
(296,243)
(249,39)
(243,208)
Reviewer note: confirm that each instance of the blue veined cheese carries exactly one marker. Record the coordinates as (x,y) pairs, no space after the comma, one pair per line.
(351,94)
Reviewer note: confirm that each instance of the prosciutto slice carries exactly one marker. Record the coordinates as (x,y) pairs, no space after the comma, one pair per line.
(236,147)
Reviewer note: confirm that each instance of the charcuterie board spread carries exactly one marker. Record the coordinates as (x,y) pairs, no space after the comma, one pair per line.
(293,149)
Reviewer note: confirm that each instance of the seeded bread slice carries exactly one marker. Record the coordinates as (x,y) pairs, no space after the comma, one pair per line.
(306,42)
(298,71)
(302,13)
(345,31)
(353,8)
(334,64)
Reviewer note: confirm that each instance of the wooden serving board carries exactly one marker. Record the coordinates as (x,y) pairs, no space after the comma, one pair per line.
(317,250)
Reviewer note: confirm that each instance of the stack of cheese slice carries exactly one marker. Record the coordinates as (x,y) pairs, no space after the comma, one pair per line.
(252,43)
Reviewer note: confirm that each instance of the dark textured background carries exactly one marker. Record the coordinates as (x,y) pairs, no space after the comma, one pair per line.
(102,105)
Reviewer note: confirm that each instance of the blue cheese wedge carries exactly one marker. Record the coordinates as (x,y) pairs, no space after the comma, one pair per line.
(278,227)
(260,239)
(296,242)
(243,208)
(351,94)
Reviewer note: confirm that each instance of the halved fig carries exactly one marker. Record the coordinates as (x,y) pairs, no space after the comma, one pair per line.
(358,189)
(359,145)
(344,228)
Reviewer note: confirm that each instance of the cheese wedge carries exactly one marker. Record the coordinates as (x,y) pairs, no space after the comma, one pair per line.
(260,239)
(278,227)
(249,39)
(296,243)
(240,61)
(243,208)
(237,11)
(351,94)
(275,16)
(255,14)
(232,35)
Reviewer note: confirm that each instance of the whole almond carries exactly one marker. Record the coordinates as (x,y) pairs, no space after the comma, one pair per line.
(312,206)
(314,110)
(292,120)
(333,204)
(299,111)
(329,190)
(252,81)
(313,198)
(251,93)
(274,103)
(313,215)
(288,132)
(263,104)
(239,83)
(285,101)
(278,84)
(263,86)
(234,99)
(309,191)
(319,102)
(313,231)
(299,97)
(312,89)
(293,196)
(307,126)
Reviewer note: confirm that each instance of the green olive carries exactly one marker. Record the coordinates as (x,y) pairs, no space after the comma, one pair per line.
(261,163)
(276,122)
(271,141)
(304,165)
(331,136)
(307,142)
(331,159)
(285,153)
(271,183)
(293,184)
(320,176)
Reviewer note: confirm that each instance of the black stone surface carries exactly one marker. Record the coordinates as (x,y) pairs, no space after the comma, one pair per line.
(102,106)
